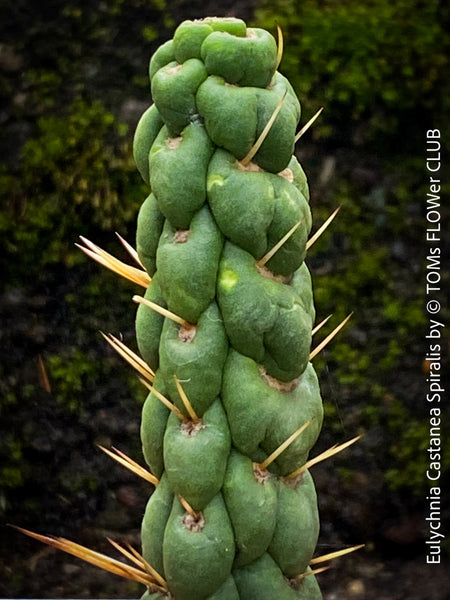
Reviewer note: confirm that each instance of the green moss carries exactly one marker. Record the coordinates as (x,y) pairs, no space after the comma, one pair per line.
(76,170)
(12,471)
(350,56)
(75,482)
(409,458)
(68,375)
(11,477)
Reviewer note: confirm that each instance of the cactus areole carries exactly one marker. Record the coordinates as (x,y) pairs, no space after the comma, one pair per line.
(230,518)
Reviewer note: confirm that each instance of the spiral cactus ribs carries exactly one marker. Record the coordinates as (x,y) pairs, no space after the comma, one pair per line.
(223,329)
(228,519)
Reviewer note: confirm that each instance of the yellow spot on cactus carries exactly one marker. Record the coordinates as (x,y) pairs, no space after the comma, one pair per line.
(228,280)
(214,180)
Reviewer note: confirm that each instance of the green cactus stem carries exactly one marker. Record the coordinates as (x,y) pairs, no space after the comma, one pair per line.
(224,236)
(223,327)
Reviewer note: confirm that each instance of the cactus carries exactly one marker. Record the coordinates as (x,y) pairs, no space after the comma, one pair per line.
(224,327)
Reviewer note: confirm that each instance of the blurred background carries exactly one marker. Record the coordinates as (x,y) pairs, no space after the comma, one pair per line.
(73,84)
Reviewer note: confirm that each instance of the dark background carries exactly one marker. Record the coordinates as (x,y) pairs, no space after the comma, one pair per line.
(73,83)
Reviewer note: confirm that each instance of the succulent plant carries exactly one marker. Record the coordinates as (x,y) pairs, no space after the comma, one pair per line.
(224,326)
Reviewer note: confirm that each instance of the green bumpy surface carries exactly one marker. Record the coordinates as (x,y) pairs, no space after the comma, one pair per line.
(244,361)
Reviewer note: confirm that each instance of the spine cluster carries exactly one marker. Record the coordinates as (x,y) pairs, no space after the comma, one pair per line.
(234,406)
